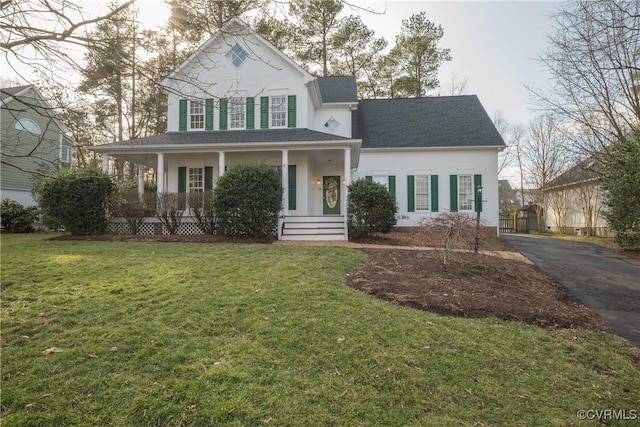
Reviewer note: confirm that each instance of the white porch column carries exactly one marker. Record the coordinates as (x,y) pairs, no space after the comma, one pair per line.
(220,163)
(140,180)
(285,182)
(160,173)
(105,163)
(347,181)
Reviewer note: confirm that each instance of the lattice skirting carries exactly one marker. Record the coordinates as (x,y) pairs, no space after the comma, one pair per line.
(153,226)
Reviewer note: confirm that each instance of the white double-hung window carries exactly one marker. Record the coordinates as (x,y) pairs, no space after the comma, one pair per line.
(465,192)
(196,180)
(237,112)
(196,115)
(422,193)
(278,109)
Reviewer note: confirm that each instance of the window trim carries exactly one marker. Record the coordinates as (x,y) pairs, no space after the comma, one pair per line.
(28,125)
(242,109)
(190,174)
(471,194)
(65,149)
(232,54)
(284,109)
(191,115)
(416,199)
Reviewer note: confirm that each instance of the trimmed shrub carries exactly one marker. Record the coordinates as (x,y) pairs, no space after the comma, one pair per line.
(371,209)
(247,201)
(78,199)
(16,218)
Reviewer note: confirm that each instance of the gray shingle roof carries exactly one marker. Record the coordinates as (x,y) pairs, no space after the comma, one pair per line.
(11,91)
(585,170)
(449,121)
(230,137)
(338,89)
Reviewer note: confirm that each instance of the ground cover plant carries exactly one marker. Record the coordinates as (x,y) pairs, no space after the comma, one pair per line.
(155,333)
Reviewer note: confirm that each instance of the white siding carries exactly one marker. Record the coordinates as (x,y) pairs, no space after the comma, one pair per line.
(435,162)
(264,73)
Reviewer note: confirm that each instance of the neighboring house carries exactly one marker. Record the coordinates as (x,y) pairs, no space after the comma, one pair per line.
(33,141)
(575,202)
(239,99)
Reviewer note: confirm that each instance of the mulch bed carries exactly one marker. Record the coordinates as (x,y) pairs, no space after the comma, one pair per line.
(489,284)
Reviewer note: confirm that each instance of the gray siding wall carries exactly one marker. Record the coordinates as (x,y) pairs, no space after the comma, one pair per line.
(24,153)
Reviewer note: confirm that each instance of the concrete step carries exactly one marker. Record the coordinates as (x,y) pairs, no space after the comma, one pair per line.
(314,237)
(313,228)
(320,230)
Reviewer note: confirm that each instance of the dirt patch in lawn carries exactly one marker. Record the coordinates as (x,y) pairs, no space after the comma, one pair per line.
(497,282)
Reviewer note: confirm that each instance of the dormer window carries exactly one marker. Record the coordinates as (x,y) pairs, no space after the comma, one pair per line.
(237,56)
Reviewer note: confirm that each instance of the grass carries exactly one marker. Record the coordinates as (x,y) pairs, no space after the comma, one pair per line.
(606,242)
(233,334)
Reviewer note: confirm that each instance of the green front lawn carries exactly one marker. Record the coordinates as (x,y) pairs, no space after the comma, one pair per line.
(192,334)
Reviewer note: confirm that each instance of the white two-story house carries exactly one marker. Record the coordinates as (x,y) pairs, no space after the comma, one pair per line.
(238,99)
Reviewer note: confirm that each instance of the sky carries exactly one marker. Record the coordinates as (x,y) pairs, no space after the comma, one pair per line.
(493,44)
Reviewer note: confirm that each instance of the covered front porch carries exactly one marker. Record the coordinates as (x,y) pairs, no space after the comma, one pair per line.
(314,175)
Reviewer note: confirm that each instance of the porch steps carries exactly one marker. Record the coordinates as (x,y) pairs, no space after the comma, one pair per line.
(313,228)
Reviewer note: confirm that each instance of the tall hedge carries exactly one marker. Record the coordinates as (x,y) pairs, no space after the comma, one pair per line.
(247,201)
(78,199)
(621,181)
(371,209)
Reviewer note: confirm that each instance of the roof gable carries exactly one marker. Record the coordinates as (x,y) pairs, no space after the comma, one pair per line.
(27,96)
(8,92)
(449,121)
(585,170)
(337,89)
(232,32)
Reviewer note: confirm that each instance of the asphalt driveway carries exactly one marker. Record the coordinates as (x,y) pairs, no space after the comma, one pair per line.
(599,277)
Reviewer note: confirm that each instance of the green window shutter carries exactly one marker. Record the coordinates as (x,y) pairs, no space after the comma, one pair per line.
(369,178)
(208,118)
(292,187)
(434,193)
(477,182)
(392,185)
(291,111)
(223,113)
(411,194)
(251,113)
(453,190)
(182,125)
(182,179)
(264,112)
(208,178)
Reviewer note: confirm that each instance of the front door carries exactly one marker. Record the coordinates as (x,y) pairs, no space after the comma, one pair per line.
(331,195)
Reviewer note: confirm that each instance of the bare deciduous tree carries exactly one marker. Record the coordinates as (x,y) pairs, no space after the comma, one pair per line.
(545,157)
(40,33)
(594,59)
